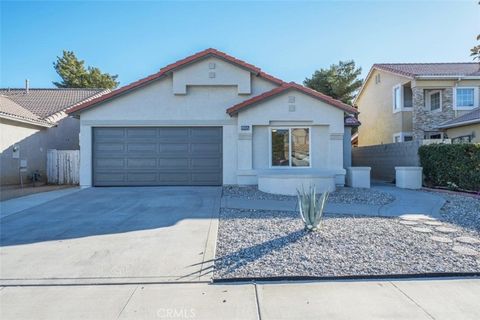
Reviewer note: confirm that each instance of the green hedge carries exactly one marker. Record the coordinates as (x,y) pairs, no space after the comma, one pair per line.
(456,166)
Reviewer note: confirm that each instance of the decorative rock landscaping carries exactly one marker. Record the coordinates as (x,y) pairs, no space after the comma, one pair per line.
(256,243)
(341,195)
(441,239)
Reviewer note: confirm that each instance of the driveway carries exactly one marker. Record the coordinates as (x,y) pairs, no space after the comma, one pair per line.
(113,235)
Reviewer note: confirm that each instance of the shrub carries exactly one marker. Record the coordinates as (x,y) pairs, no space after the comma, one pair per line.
(311,209)
(456,166)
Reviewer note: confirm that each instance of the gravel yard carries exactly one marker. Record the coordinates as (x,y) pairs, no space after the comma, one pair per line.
(253,243)
(462,211)
(341,195)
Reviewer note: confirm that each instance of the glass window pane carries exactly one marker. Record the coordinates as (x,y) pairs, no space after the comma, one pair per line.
(398,100)
(300,147)
(407,138)
(435,101)
(280,148)
(465,97)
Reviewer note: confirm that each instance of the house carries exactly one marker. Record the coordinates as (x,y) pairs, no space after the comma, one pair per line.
(408,101)
(465,128)
(211,119)
(32,121)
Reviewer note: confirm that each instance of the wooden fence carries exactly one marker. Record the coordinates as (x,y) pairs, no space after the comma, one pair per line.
(63,166)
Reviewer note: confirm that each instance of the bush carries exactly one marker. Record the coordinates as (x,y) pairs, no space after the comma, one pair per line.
(456,166)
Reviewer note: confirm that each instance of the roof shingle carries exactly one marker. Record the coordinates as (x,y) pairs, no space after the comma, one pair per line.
(46,102)
(471,117)
(457,69)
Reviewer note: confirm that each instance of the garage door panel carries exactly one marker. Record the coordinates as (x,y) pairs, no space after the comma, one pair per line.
(205,163)
(205,178)
(142,163)
(203,148)
(110,177)
(109,147)
(142,177)
(181,148)
(174,163)
(109,163)
(174,178)
(109,132)
(136,147)
(142,133)
(157,156)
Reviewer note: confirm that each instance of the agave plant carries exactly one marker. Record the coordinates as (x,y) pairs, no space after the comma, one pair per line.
(311,208)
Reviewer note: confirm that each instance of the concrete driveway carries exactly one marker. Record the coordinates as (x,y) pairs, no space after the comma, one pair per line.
(112,235)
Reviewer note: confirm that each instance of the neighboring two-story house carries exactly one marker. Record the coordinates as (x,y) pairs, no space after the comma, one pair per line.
(410,101)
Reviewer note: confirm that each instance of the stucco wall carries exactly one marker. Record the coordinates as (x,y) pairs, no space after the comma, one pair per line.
(204,103)
(33,143)
(465,130)
(375,105)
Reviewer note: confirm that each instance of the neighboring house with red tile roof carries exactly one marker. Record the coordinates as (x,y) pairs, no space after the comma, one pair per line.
(409,101)
(465,128)
(212,119)
(34,120)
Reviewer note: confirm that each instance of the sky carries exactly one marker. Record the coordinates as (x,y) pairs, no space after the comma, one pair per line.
(289,40)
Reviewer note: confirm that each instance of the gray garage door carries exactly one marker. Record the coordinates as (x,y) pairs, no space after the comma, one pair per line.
(157,156)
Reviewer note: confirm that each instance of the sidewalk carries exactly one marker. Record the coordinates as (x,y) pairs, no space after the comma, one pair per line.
(445,299)
(406,202)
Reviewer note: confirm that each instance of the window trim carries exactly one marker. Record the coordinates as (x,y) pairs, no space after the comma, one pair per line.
(428,100)
(290,147)
(475,98)
(394,100)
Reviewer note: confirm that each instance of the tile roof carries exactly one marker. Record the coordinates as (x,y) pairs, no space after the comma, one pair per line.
(46,102)
(10,109)
(290,86)
(169,68)
(471,117)
(457,69)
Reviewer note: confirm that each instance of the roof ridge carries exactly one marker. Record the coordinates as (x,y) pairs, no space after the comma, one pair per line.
(170,67)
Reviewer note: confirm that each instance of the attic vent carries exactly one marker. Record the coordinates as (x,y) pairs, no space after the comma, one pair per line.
(377,79)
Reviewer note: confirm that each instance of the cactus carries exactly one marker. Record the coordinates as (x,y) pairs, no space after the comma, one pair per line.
(311,208)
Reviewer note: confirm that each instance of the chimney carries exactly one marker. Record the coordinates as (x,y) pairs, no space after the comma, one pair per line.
(27,85)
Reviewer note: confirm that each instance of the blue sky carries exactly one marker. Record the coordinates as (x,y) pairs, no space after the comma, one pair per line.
(287,39)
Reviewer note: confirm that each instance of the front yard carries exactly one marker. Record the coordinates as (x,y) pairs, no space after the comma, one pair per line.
(260,243)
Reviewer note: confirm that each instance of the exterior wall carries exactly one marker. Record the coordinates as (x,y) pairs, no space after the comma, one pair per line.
(157,104)
(326,135)
(427,120)
(33,143)
(384,158)
(204,103)
(465,130)
(379,123)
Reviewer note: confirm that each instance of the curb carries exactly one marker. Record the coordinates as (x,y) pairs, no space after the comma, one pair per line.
(413,276)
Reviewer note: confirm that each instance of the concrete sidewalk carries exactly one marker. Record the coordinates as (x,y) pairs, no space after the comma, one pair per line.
(404,299)
(406,202)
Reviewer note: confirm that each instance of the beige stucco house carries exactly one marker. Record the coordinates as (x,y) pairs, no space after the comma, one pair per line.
(211,119)
(409,101)
(33,121)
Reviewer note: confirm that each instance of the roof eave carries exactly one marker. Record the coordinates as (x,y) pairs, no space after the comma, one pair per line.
(459,124)
(28,121)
